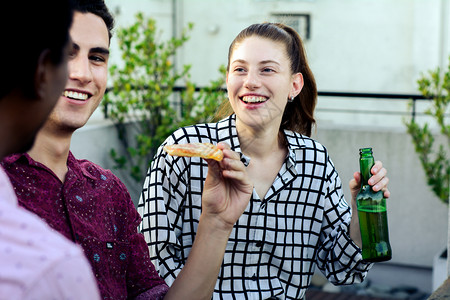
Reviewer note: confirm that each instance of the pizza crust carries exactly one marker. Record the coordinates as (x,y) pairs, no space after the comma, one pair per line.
(204,150)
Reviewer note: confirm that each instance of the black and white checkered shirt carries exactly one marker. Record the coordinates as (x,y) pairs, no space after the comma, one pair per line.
(302,220)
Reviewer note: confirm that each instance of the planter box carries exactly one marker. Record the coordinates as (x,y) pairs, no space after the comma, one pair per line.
(439,269)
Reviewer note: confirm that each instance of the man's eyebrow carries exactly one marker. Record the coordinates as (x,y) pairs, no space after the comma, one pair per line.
(100,50)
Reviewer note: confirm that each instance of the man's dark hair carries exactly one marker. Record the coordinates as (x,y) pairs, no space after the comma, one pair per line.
(27,29)
(99,8)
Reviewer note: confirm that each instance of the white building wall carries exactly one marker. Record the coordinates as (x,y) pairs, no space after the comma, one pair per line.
(374,46)
(355,45)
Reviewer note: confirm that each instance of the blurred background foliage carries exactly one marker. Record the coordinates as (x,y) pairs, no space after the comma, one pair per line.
(150,98)
(434,156)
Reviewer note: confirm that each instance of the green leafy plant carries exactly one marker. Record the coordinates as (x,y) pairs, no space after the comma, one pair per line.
(434,157)
(144,103)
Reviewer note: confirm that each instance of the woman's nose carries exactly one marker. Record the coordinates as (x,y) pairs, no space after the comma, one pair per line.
(252,81)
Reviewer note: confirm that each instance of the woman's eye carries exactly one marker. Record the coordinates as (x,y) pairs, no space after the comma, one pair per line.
(268,70)
(239,70)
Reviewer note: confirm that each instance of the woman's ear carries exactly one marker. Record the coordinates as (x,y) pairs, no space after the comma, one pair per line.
(297,84)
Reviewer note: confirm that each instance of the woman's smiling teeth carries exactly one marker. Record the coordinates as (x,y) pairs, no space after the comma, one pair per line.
(254,99)
(76,95)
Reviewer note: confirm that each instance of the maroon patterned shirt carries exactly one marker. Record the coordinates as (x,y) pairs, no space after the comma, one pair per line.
(92,208)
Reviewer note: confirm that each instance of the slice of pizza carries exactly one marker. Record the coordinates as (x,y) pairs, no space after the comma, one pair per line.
(204,150)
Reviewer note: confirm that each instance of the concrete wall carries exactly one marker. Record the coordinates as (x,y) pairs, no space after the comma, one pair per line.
(418,221)
(93,142)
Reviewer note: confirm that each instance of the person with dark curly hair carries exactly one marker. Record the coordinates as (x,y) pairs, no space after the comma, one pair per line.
(36,262)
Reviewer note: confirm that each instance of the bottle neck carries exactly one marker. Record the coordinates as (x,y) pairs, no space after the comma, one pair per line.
(366,163)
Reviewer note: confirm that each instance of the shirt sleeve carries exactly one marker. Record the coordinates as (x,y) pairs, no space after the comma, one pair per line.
(58,283)
(163,191)
(142,276)
(338,257)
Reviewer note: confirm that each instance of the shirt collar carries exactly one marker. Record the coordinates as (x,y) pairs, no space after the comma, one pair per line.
(77,167)
(14,157)
(226,132)
(72,163)
(295,142)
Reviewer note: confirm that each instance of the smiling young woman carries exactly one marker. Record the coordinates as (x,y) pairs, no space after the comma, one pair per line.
(297,217)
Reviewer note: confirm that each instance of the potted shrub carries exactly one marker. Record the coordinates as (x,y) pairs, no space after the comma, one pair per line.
(435,156)
(145,103)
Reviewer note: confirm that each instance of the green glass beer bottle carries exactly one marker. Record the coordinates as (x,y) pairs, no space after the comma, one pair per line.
(372,214)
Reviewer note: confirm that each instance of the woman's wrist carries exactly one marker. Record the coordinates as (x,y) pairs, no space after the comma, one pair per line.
(213,225)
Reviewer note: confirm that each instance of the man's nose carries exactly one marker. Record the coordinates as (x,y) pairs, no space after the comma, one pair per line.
(79,69)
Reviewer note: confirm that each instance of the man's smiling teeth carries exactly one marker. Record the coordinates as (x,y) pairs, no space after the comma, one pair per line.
(253,99)
(75,95)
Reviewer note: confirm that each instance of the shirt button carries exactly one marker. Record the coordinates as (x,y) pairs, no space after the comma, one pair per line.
(259,244)
(254,278)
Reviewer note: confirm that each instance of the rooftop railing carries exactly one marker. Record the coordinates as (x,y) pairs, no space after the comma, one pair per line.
(412,101)
(414,98)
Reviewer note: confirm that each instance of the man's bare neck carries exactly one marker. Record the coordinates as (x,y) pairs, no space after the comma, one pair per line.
(52,151)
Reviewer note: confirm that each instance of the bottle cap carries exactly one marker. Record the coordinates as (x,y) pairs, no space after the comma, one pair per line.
(365,151)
